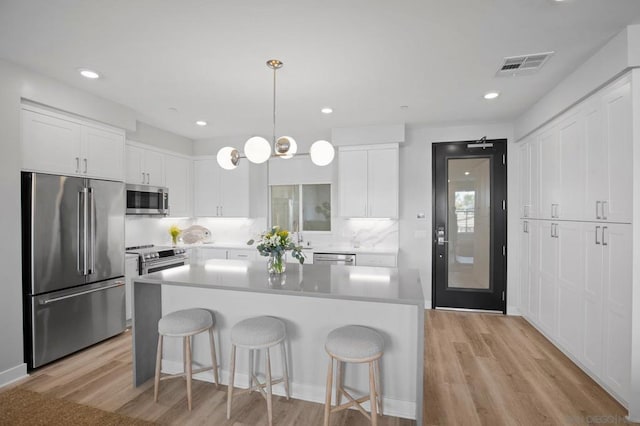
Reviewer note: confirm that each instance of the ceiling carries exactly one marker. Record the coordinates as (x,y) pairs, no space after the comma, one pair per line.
(364,58)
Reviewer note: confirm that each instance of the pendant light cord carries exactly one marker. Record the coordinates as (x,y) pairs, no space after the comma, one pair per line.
(274,106)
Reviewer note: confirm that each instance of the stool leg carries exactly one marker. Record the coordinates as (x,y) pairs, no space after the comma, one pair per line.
(269,403)
(339,368)
(187,343)
(250,370)
(327,402)
(214,358)
(156,384)
(378,386)
(372,395)
(231,377)
(285,369)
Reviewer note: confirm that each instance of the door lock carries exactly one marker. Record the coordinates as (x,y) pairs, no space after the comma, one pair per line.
(440,236)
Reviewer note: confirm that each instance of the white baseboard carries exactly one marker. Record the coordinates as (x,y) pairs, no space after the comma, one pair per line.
(391,407)
(513,310)
(427,304)
(13,374)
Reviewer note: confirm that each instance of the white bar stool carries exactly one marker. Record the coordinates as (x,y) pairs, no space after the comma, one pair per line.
(356,344)
(255,334)
(185,323)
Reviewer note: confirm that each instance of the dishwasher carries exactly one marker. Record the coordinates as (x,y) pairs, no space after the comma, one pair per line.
(348,259)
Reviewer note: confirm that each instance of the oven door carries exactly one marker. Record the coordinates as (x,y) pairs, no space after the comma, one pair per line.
(147,200)
(161,265)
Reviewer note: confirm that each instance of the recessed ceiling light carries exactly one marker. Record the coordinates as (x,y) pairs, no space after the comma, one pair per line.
(466,173)
(87,73)
(491,95)
(326,110)
(201,123)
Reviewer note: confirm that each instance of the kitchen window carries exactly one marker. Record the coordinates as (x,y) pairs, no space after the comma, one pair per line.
(301,207)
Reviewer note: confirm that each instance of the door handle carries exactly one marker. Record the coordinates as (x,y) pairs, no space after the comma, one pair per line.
(526,211)
(77,164)
(142,177)
(598,204)
(69,296)
(148,178)
(85,165)
(525,227)
(604,241)
(605,205)
(597,230)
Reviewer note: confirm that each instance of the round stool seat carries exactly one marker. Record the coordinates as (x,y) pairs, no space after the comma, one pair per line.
(187,321)
(258,332)
(354,342)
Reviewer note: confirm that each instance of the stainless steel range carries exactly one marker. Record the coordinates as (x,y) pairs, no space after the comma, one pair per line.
(154,259)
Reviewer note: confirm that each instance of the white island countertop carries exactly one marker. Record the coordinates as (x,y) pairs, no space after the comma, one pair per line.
(372,284)
(316,248)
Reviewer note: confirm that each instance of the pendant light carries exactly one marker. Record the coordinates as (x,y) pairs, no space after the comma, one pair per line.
(258,149)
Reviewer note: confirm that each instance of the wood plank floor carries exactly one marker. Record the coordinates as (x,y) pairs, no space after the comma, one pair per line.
(480,369)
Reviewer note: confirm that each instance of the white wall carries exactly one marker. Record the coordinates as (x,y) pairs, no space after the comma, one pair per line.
(11,353)
(615,57)
(416,197)
(150,135)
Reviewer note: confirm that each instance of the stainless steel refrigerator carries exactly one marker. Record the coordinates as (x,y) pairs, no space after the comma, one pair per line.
(73,264)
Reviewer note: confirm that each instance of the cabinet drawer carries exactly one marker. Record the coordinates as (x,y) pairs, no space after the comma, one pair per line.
(240,254)
(386,260)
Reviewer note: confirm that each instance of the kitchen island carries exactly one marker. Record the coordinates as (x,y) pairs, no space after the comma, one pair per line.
(312,300)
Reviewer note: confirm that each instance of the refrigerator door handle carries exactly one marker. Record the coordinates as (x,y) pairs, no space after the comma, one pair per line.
(92,231)
(82,231)
(69,296)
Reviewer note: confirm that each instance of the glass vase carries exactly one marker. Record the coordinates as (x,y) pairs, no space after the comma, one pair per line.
(277,263)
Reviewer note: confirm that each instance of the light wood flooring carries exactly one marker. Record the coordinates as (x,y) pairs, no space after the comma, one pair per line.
(480,369)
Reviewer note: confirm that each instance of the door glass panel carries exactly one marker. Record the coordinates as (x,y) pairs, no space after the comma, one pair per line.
(469,221)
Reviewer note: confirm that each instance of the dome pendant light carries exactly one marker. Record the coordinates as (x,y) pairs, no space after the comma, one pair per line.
(258,149)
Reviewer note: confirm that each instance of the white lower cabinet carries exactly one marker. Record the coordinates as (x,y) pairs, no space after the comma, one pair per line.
(385,260)
(576,285)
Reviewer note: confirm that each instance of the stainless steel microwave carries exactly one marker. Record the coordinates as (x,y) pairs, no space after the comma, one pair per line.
(147,200)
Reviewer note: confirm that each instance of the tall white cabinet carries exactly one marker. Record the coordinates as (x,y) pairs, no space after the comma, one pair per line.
(576,234)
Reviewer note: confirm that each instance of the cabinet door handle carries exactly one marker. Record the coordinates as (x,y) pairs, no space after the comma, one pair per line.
(217,210)
(597,230)
(77,164)
(525,227)
(148,178)
(85,165)
(598,203)
(526,211)
(142,177)
(221,214)
(605,205)
(604,242)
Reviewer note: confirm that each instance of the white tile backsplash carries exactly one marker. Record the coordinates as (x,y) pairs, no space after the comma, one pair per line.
(363,233)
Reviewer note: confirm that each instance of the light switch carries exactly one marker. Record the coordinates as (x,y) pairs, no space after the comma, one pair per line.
(420,215)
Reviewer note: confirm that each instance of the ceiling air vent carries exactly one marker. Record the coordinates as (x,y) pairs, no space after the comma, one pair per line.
(525,64)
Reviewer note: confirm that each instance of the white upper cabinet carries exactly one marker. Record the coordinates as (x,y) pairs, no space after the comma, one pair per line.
(368,181)
(352,183)
(572,167)
(618,140)
(579,166)
(177,177)
(54,143)
(144,166)
(548,174)
(219,192)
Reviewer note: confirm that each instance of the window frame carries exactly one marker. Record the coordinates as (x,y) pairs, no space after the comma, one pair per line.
(301,210)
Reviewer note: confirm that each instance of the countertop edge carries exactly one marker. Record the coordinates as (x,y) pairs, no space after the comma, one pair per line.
(419,303)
